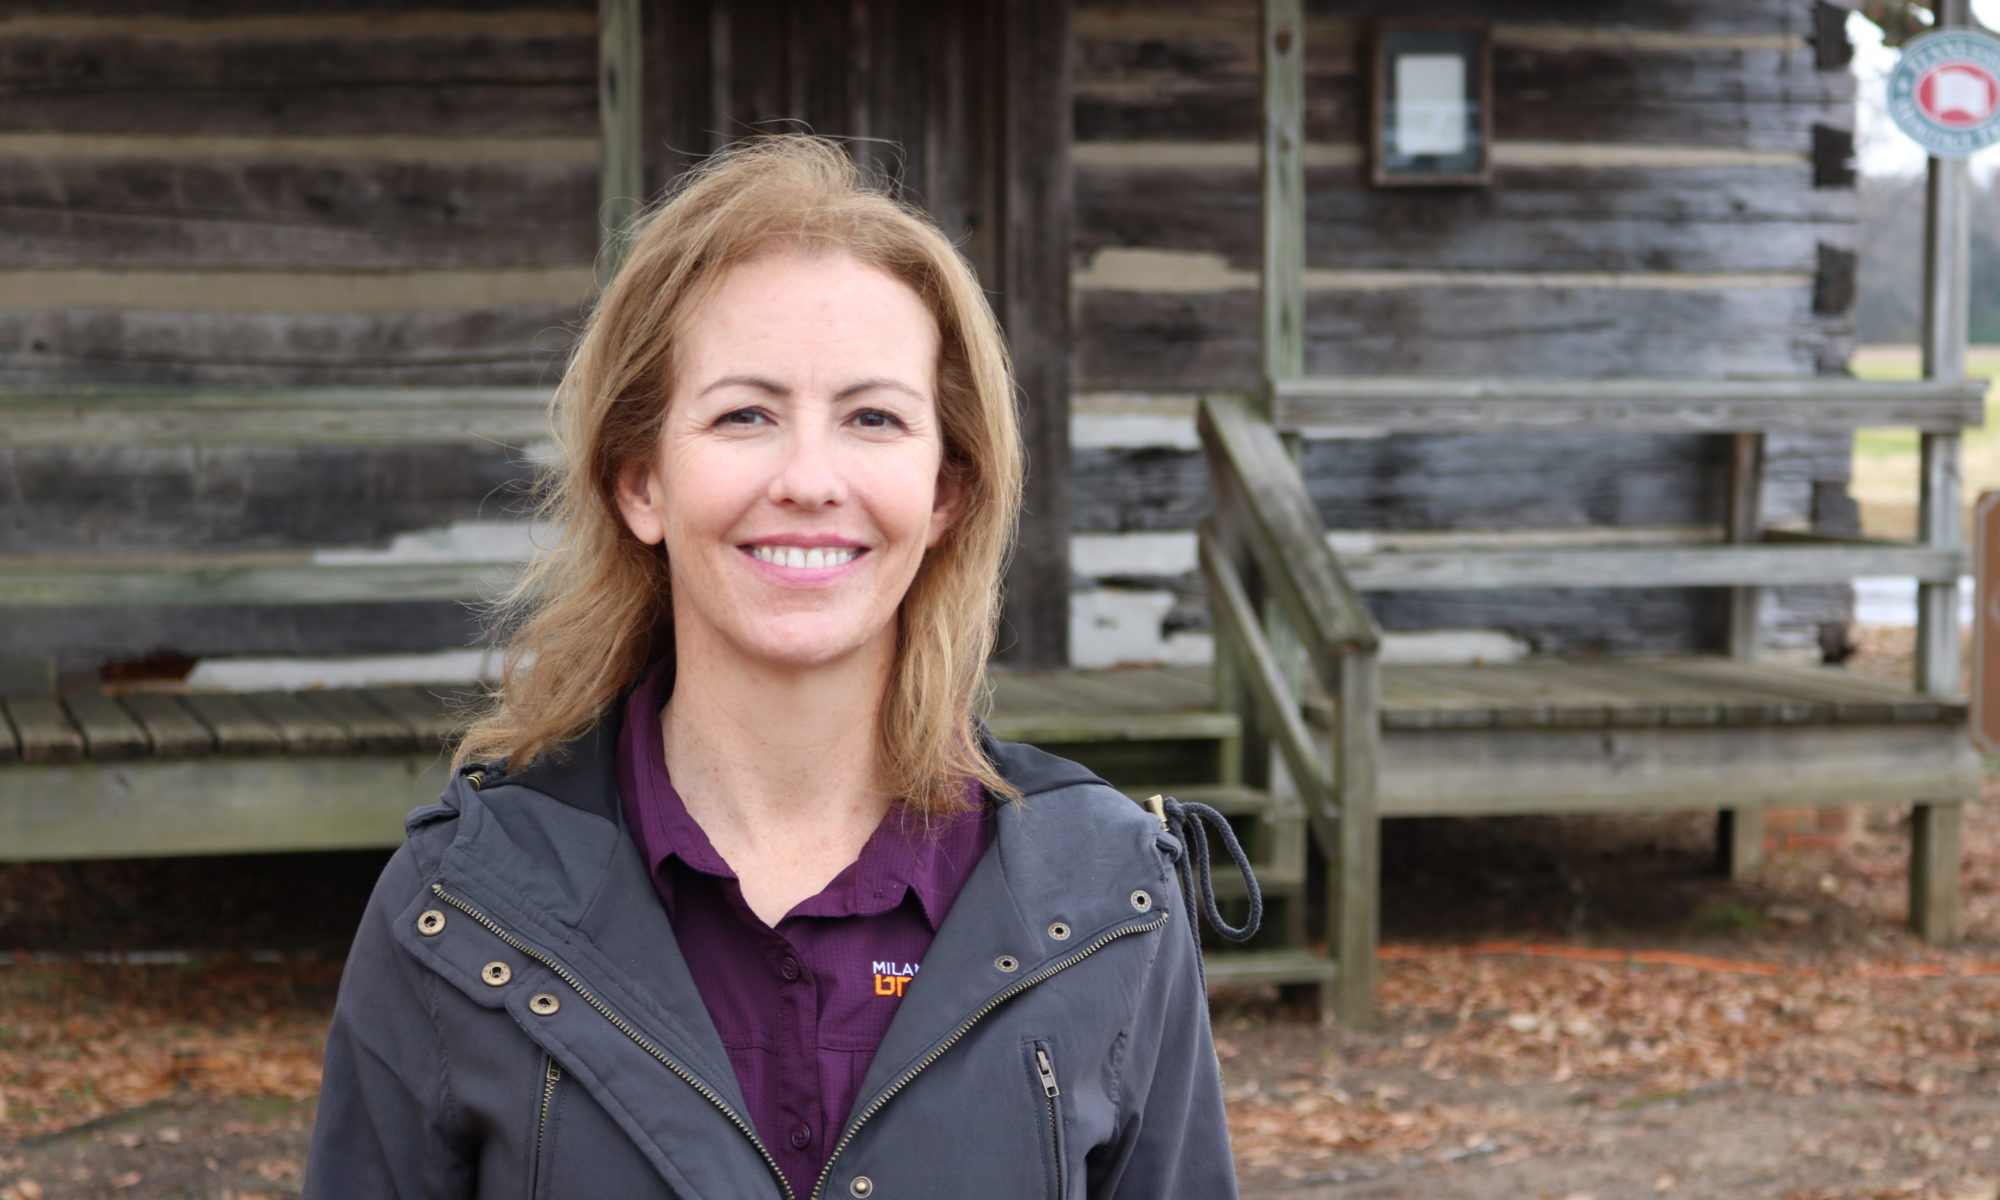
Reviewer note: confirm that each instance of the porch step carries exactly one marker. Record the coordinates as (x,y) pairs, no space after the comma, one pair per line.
(1252,968)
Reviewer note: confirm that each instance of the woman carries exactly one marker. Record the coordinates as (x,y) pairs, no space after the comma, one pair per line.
(730,897)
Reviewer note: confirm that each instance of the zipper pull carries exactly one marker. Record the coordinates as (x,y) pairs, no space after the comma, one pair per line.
(553,1074)
(1048,1073)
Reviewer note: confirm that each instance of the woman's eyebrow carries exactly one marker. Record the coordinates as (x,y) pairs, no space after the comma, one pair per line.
(771,387)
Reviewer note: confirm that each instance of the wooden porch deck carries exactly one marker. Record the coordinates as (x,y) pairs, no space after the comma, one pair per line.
(159,773)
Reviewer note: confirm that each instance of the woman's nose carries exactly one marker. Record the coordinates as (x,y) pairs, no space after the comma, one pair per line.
(809,474)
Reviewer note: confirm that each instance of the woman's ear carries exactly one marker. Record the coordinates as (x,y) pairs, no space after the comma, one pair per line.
(946,507)
(638,496)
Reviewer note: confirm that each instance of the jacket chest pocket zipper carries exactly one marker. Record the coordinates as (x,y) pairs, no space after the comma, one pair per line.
(1045,1079)
(551,1076)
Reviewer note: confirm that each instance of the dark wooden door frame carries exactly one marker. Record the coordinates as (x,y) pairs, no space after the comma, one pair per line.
(982,133)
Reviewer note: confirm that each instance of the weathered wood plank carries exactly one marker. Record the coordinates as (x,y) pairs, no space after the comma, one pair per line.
(238,728)
(209,11)
(174,731)
(208,214)
(508,344)
(1480,772)
(224,579)
(1854,700)
(87,638)
(1533,218)
(427,714)
(529,81)
(109,732)
(620,121)
(1170,341)
(1059,726)
(1329,18)
(107,500)
(1729,702)
(368,729)
(1648,566)
(1282,189)
(154,809)
(1765,97)
(44,729)
(1681,403)
(302,730)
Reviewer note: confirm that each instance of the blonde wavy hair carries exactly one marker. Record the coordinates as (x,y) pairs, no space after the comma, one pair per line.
(593,610)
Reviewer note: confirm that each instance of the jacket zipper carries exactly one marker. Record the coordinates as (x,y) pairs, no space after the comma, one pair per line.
(551,1075)
(1061,964)
(621,1025)
(1045,1070)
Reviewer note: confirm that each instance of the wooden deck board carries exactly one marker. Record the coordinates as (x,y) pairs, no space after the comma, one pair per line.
(426,714)
(365,728)
(45,731)
(1853,699)
(302,730)
(109,732)
(173,729)
(238,729)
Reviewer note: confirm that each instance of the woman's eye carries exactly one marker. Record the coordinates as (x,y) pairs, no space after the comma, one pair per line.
(742,417)
(875,418)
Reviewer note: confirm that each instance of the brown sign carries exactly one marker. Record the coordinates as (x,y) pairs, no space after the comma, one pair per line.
(1986,625)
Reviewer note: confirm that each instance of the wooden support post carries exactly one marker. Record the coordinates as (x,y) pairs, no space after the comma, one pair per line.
(1739,832)
(1937,845)
(1281,157)
(1739,839)
(1946,276)
(1354,915)
(621,186)
(1745,519)
(1034,303)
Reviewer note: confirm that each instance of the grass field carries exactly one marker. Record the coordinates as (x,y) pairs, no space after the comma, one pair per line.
(1885,460)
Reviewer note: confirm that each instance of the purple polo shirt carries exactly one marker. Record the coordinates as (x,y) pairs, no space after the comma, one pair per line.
(800,1008)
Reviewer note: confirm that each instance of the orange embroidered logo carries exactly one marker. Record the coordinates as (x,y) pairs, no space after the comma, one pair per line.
(892,977)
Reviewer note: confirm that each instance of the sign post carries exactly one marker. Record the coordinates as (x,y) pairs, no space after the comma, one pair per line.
(1986,625)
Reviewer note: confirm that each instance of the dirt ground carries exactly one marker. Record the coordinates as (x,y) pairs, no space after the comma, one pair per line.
(1572,1007)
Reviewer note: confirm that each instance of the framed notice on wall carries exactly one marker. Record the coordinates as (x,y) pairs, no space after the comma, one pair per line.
(1432,117)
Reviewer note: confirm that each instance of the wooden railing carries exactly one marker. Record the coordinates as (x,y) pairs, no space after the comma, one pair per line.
(1282,603)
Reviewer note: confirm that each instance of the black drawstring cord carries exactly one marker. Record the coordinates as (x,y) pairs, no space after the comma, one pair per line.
(1184,820)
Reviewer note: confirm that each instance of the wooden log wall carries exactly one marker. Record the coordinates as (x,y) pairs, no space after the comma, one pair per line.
(1669,197)
(273,193)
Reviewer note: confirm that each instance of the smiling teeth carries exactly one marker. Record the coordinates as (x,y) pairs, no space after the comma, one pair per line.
(813,560)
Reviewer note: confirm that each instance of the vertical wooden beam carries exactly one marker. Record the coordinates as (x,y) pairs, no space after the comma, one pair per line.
(1034,237)
(1937,846)
(1356,880)
(676,114)
(621,179)
(1281,158)
(1745,518)
(1940,516)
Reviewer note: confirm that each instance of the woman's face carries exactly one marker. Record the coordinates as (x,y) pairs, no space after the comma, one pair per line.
(796,482)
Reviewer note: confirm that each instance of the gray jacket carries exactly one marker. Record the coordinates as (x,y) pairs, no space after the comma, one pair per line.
(517,1021)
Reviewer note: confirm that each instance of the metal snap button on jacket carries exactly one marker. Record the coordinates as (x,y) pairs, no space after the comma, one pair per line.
(496,973)
(862,1186)
(1007,962)
(1142,900)
(542,1004)
(431,923)
(1059,931)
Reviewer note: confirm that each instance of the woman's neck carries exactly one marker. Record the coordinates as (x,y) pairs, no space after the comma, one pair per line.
(763,756)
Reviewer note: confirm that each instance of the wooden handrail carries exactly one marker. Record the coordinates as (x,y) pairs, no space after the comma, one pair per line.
(1285,533)
(1430,405)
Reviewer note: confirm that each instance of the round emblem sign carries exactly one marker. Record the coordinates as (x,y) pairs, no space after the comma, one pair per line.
(1945,92)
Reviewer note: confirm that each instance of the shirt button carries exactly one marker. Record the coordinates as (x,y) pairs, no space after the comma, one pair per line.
(802,1136)
(789,968)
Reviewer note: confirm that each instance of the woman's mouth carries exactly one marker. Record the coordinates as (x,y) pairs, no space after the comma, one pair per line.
(814,559)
